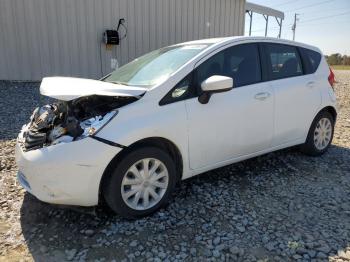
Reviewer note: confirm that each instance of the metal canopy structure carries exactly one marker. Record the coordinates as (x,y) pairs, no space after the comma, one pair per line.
(251,8)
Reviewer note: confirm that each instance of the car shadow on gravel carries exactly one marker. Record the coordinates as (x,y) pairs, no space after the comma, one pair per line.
(280,206)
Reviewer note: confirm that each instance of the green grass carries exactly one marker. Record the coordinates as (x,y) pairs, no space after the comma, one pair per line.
(340,67)
(293,244)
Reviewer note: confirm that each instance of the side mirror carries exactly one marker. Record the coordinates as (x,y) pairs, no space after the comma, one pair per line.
(214,84)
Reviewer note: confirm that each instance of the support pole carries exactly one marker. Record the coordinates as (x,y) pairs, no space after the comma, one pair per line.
(250,13)
(279,22)
(267,23)
(279,34)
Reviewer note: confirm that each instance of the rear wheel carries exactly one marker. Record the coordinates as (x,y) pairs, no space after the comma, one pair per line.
(141,183)
(320,134)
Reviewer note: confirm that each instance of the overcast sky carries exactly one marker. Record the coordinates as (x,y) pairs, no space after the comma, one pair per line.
(323,23)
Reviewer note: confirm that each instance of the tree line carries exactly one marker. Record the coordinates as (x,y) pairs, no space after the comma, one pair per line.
(338,59)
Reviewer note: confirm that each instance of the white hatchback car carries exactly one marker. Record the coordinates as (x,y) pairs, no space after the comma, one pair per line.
(173,113)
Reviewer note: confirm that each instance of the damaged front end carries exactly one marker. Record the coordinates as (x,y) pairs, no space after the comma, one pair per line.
(67,121)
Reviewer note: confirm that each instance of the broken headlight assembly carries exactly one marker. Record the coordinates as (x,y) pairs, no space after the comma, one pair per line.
(64,122)
(93,125)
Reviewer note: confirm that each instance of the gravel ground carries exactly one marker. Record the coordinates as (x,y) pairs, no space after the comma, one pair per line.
(283,206)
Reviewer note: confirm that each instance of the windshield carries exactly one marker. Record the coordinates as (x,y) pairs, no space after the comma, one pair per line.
(156,66)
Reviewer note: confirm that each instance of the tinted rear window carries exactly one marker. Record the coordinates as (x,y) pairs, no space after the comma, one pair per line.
(283,60)
(312,60)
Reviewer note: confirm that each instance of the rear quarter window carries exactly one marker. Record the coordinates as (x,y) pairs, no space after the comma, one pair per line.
(311,59)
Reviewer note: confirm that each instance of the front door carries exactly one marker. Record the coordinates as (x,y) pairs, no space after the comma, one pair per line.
(236,122)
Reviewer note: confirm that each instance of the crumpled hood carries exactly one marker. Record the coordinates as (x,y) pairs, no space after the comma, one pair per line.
(69,88)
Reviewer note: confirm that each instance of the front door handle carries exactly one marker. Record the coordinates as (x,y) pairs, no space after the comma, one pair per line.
(262,96)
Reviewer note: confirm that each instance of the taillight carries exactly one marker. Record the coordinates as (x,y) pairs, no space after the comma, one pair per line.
(331,78)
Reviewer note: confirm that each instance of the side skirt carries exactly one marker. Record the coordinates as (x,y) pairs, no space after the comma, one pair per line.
(241,158)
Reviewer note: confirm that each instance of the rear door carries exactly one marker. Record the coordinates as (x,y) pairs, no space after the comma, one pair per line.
(296,95)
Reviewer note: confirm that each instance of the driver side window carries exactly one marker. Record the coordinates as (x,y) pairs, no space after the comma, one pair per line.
(213,66)
(240,62)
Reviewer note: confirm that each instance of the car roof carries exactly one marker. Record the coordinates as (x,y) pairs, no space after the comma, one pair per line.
(205,41)
(223,40)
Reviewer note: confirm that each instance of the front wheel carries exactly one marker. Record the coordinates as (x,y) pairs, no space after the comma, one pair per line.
(320,135)
(141,183)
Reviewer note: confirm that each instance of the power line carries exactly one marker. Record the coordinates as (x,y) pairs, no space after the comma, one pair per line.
(326,11)
(305,23)
(309,20)
(329,23)
(325,17)
(307,6)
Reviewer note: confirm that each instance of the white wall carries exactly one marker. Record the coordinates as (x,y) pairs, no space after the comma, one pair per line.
(63,37)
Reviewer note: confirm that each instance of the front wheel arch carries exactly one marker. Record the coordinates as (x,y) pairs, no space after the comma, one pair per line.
(158,142)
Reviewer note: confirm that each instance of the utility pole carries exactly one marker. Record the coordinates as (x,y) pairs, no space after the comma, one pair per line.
(295,24)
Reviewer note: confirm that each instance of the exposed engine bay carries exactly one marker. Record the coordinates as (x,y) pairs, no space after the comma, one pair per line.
(66,121)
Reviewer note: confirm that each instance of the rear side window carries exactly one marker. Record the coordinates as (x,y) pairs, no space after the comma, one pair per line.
(283,61)
(311,59)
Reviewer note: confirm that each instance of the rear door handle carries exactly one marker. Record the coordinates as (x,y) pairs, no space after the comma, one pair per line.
(262,96)
(310,84)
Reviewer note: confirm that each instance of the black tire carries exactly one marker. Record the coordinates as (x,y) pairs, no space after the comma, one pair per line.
(309,146)
(112,187)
